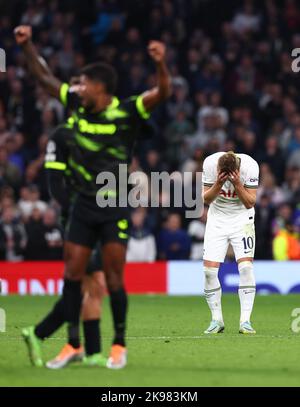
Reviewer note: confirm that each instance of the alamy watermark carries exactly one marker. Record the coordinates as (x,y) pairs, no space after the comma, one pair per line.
(2,320)
(2,60)
(161,189)
(295,325)
(296,62)
(2,315)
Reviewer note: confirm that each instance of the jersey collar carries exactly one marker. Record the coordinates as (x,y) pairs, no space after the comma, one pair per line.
(114,103)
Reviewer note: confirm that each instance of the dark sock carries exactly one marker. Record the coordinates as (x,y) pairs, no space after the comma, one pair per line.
(73,335)
(72,303)
(52,322)
(91,331)
(118,303)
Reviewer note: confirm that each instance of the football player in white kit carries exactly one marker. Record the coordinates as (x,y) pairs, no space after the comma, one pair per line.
(230,183)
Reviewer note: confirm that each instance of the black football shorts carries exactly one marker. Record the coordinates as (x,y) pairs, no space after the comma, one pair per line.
(88,224)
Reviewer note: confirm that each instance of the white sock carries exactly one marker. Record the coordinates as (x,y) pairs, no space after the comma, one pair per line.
(247,289)
(213,292)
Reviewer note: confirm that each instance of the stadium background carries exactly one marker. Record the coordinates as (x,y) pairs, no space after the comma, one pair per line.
(233,89)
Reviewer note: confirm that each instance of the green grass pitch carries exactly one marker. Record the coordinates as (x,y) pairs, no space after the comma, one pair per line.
(166,345)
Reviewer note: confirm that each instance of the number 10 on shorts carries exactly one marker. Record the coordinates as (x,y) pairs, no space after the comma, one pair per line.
(248,243)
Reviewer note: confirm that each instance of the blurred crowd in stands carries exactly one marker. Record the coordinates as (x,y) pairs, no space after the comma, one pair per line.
(233,89)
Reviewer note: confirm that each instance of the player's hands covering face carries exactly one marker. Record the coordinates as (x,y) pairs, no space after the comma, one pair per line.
(222,177)
(234,177)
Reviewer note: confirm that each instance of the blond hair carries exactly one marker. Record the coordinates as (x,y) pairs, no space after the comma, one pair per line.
(229,162)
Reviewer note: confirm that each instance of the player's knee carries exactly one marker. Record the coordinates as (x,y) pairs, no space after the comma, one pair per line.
(114,282)
(93,287)
(114,277)
(72,274)
(72,271)
(211,275)
(97,291)
(114,285)
(246,273)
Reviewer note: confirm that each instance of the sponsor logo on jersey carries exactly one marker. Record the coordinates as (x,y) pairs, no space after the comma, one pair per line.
(228,194)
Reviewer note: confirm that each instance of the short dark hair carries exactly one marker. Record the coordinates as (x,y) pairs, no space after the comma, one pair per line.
(104,73)
(228,162)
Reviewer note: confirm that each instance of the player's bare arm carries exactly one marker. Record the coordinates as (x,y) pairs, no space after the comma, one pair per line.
(36,64)
(211,193)
(246,195)
(162,91)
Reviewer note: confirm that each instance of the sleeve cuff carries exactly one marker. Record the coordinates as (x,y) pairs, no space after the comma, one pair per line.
(55,165)
(63,93)
(141,108)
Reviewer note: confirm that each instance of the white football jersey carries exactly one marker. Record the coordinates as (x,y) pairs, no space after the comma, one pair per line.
(227,204)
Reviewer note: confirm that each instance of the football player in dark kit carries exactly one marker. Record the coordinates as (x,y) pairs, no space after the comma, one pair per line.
(105,131)
(62,188)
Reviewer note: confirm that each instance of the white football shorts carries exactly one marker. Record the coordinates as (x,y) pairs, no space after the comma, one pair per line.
(218,236)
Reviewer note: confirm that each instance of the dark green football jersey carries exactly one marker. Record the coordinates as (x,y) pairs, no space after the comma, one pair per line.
(101,141)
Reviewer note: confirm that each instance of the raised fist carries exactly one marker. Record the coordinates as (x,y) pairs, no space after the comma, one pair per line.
(23,34)
(157,50)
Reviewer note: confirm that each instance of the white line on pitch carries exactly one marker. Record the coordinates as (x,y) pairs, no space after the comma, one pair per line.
(221,336)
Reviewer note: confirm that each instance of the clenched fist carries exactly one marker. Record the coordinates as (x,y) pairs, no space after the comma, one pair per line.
(23,34)
(157,51)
